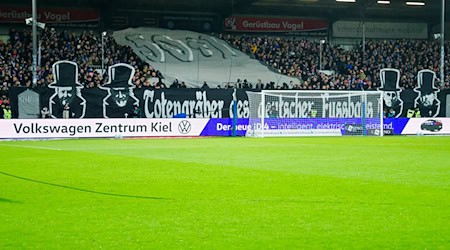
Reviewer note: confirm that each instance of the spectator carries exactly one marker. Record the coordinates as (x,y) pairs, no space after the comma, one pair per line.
(7,112)
(136,112)
(2,111)
(391,113)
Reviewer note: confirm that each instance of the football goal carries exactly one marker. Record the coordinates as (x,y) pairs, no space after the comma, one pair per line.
(315,113)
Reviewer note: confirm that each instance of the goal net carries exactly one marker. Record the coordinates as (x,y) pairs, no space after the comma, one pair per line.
(315,113)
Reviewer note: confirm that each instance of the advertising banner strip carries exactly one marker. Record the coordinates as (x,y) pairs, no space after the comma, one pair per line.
(48,15)
(337,126)
(94,128)
(274,24)
(388,30)
(118,128)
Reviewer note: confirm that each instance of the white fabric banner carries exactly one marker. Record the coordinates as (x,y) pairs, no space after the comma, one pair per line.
(194,57)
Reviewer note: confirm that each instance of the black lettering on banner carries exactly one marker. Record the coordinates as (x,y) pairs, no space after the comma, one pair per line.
(18,129)
(159,127)
(154,127)
(218,103)
(139,129)
(54,129)
(36,128)
(72,130)
(99,127)
(120,128)
(87,129)
(64,130)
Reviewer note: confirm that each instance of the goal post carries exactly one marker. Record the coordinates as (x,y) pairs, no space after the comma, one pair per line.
(315,113)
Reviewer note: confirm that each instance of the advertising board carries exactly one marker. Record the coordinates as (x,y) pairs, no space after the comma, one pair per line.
(274,24)
(203,127)
(95,128)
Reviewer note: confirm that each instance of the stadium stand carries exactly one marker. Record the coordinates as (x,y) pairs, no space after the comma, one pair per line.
(84,48)
(287,55)
(299,58)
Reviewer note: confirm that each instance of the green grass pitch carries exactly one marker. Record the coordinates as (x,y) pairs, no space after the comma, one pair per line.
(222,193)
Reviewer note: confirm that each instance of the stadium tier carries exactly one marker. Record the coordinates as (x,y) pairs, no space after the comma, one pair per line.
(224,124)
(192,60)
(296,58)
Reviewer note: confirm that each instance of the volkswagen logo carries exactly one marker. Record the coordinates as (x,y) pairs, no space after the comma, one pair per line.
(184,127)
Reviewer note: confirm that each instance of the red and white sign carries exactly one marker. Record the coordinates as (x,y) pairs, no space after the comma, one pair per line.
(273,24)
(48,15)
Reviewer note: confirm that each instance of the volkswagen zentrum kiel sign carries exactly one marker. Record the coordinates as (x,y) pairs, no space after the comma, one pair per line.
(82,128)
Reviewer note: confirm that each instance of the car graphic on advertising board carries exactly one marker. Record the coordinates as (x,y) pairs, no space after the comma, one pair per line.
(431,125)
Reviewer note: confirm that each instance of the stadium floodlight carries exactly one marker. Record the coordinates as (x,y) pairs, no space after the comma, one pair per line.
(283,113)
(346,1)
(104,33)
(320,53)
(34,24)
(415,3)
(383,2)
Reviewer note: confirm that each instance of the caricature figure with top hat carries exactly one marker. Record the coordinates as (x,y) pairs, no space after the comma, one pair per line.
(427,100)
(120,100)
(390,79)
(67,91)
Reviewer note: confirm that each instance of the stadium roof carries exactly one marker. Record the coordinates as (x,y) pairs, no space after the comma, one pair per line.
(370,9)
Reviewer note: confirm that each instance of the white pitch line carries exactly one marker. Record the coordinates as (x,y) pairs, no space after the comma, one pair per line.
(34,147)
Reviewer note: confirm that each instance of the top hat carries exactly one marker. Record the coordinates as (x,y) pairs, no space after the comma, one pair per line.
(65,74)
(425,82)
(390,79)
(120,76)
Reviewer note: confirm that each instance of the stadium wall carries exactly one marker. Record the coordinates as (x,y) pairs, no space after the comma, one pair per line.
(167,103)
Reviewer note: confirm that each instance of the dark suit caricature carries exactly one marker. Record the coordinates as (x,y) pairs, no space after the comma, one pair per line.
(390,80)
(427,100)
(120,100)
(67,91)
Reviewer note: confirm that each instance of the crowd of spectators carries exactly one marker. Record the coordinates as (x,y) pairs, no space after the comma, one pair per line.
(353,69)
(85,49)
